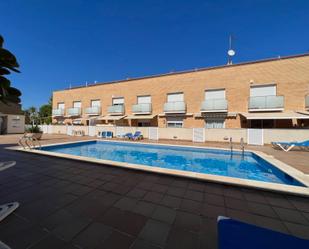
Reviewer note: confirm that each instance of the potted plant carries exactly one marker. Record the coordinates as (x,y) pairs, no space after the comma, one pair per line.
(35,131)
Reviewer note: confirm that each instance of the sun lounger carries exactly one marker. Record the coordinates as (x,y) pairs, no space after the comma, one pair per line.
(137,135)
(128,135)
(6,165)
(109,134)
(4,246)
(287,146)
(78,133)
(233,234)
(7,209)
(105,134)
(101,134)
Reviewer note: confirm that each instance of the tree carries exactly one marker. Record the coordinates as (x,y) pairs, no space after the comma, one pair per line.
(8,63)
(31,115)
(45,113)
(42,115)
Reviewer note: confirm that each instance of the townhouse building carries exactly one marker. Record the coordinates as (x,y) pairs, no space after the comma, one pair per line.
(270,93)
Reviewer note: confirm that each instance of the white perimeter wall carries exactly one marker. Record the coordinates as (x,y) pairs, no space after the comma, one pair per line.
(218,135)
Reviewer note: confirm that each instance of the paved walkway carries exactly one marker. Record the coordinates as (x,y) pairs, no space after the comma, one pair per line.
(69,204)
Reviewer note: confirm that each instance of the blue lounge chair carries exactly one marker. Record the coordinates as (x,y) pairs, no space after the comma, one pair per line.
(105,134)
(102,134)
(287,146)
(128,135)
(233,234)
(109,134)
(137,135)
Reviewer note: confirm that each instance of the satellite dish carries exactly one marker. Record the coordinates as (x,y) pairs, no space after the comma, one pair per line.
(231,52)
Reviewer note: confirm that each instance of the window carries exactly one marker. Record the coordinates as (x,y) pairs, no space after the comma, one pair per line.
(144,99)
(263,90)
(175,97)
(143,123)
(61,106)
(215,94)
(95,103)
(118,101)
(77,104)
(259,123)
(214,123)
(174,122)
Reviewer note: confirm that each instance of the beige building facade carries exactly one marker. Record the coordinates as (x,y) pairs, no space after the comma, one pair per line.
(271,93)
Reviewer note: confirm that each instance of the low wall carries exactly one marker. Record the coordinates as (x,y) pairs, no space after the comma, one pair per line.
(285,135)
(176,133)
(59,129)
(216,135)
(223,135)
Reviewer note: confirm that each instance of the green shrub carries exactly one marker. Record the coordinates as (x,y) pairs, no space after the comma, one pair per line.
(34,129)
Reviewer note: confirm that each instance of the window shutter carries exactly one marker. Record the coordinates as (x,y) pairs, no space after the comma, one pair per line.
(144,99)
(269,90)
(215,94)
(118,101)
(175,97)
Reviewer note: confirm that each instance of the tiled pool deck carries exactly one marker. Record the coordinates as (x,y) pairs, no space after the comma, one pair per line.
(70,204)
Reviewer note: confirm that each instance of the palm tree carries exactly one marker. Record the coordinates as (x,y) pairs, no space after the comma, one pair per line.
(8,94)
(8,63)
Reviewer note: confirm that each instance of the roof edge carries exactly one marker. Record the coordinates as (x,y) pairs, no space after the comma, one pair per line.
(190,71)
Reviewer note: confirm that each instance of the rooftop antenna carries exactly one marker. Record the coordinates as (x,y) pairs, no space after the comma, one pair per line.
(230,52)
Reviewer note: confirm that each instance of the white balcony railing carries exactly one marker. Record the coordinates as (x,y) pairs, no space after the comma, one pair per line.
(307,101)
(175,107)
(214,105)
(75,111)
(266,103)
(58,112)
(94,110)
(115,109)
(144,108)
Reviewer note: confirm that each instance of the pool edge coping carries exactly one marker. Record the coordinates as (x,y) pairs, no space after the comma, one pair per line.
(276,187)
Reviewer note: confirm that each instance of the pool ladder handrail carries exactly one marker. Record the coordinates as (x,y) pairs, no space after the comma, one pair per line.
(242,145)
(29,141)
(231,144)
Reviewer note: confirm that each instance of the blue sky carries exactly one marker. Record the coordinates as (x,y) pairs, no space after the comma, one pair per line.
(63,42)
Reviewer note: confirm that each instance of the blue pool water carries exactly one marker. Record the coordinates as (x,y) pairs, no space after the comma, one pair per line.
(201,160)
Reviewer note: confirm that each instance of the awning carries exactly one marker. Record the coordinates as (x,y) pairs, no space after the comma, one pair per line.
(141,117)
(175,114)
(216,115)
(91,118)
(77,121)
(275,115)
(110,117)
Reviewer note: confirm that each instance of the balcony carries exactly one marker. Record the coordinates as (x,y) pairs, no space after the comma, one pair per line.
(175,107)
(94,110)
(307,101)
(214,105)
(115,109)
(75,111)
(144,108)
(266,103)
(58,112)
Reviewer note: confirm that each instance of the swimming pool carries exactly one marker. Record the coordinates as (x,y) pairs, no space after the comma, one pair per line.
(216,162)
